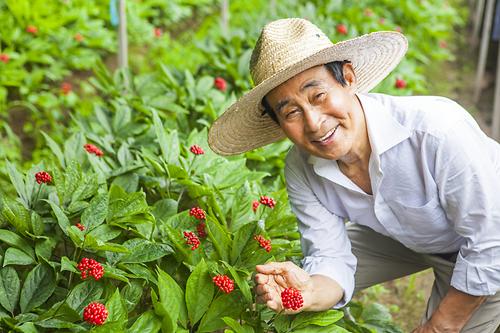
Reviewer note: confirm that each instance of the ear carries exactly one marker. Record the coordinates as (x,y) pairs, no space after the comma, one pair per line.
(349,76)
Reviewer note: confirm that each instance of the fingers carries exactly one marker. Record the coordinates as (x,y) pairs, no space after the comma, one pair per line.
(275,267)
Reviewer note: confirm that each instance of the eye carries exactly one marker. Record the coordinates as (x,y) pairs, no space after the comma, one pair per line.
(291,113)
(320,95)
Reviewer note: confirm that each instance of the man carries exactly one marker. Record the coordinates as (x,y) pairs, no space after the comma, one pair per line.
(415,176)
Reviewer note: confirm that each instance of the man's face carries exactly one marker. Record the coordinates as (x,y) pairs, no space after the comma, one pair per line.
(318,114)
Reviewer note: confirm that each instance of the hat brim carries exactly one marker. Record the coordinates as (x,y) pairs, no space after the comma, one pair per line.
(242,127)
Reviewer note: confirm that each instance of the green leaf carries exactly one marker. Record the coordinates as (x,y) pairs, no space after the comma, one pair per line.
(16,215)
(105,232)
(96,245)
(148,322)
(319,329)
(242,284)
(38,287)
(325,318)
(95,214)
(84,293)
(241,239)
(68,265)
(376,312)
(62,219)
(224,305)
(199,292)
(172,298)
(9,288)
(55,149)
(17,180)
(116,308)
(58,323)
(169,144)
(131,294)
(14,240)
(115,273)
(45,247)
(219,237)
(164,208)
(15,256)
(142,272)
(241,211)
(36,224)
(142,250)
(236,326)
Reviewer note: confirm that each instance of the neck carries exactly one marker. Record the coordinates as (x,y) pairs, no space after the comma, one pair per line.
(359,157)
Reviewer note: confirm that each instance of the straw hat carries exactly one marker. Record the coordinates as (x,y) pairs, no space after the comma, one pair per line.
(284,49)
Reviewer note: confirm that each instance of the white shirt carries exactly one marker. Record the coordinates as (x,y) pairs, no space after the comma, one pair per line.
(435,179)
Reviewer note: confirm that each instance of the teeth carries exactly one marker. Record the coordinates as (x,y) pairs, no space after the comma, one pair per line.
(327,134)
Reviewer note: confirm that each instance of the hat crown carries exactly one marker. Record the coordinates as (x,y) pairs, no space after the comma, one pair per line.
(283,43)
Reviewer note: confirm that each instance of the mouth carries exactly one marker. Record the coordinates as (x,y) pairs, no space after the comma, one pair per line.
(327,138)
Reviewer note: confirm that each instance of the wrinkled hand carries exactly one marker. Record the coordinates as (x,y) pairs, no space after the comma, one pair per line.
(429,327)
(272,278)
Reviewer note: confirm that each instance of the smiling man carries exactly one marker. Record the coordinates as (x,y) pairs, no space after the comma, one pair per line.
(415,177)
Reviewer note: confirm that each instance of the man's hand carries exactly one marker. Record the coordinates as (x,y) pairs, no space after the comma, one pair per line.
(453,313)
(272,278)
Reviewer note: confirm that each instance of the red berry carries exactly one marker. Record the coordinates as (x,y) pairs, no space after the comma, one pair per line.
(4,57)
(200,229)
(198,213)
(158,32)
(78,37)
(442,44)
(93,149)
(43,177)
(31,29)
(398,29)
(381,20)
(267,201)
(264,243)
(224,283)
(66,88)
(90,267)
(80,226)
(95,313)
(342,29)
(292,299)
(400,84)
(255,205)
(220,84)
(197,150)
(192,239)
(368,12)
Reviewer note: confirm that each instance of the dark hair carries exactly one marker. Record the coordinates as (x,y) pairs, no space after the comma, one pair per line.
(334,67)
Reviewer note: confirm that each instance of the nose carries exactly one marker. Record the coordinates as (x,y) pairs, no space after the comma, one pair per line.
(312,119)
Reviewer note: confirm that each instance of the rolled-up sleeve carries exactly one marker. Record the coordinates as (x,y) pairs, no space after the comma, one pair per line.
(324,241)
(468,178)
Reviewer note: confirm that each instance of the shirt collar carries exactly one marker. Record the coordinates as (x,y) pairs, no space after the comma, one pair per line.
(384,132)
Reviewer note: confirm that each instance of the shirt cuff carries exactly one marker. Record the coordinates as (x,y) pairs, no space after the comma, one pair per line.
(474,279)
(335,269)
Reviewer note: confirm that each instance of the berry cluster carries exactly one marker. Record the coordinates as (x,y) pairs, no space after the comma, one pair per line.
(93,149)
(400,84)
(4,57)
(200,229)
(95,313)
(43,177)
(80,226)
(220,84)
(267,201)
(31,29)
(264,243)
(192,239)
(197,150)
(90,267)
(255,205)
(157,32)
(78,37)
(66,88)
(342,29)
(224,283)
(292,299)
(197,213)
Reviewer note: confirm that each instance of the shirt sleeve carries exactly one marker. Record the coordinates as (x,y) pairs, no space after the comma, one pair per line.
(468,177)
(324,241)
